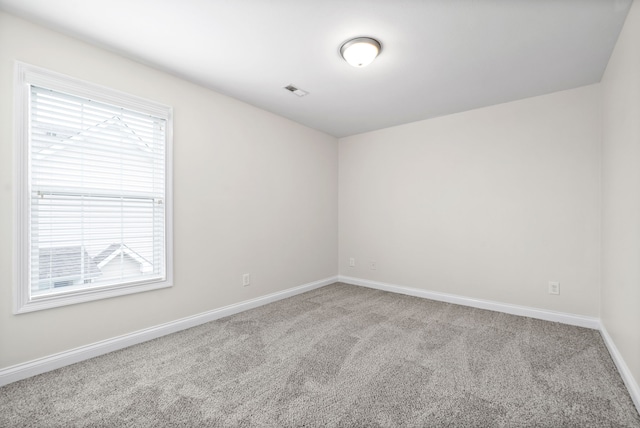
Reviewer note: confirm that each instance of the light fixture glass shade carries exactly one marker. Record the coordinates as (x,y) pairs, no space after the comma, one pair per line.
(360,52)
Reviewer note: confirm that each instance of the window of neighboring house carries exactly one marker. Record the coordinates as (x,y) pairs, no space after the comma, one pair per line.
(93,191)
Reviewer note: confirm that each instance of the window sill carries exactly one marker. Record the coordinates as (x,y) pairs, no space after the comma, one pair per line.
(25,304)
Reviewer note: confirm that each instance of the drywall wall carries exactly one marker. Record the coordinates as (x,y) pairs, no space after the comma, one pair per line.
(492,203)
(253,192)
(620,307)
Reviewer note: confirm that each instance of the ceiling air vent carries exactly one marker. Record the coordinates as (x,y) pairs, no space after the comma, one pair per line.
(298,92)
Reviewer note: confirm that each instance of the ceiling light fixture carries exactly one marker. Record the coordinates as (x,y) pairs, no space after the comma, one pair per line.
(361,51)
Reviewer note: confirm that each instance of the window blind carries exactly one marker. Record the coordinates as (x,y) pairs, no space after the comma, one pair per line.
(97,194)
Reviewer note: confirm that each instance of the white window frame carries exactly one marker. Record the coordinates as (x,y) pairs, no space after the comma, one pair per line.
(25,76)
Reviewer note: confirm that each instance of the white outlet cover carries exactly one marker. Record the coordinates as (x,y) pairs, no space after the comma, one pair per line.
(352,262)
(554,287)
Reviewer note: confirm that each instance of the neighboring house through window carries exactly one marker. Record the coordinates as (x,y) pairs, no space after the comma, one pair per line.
(93,191)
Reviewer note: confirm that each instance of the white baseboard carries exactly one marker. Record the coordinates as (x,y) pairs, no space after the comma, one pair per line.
(52,362)
(543,314)
(623,369)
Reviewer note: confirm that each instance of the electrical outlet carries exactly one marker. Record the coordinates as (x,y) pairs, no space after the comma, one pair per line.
(246,279)
(352,262)
(554,287)
(373,265)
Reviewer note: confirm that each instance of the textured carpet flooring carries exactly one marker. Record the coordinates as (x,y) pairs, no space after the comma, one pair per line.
(341,356)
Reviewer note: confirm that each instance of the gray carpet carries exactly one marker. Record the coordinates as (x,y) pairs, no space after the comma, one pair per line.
(340,356)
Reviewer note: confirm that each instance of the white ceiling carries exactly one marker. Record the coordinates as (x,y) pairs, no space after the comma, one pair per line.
(438,56)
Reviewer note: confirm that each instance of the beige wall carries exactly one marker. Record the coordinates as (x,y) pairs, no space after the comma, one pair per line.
(491,203)
(621,194)
(253,192)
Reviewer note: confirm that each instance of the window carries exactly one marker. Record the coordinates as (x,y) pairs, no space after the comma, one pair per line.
(93,187)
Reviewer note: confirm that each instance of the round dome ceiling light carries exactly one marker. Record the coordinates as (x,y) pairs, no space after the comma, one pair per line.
(361,51)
